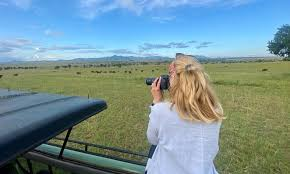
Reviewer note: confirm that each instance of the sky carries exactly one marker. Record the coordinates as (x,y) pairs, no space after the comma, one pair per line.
(67,29)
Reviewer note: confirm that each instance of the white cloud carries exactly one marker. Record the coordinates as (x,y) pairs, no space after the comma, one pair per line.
(203,45)
(154,46)
(15,43)
(3,4)
(91,8)
(24,4)
(15,48)
(163,19)
(52,33)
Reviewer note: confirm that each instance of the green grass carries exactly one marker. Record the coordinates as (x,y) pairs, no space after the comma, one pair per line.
(254,137)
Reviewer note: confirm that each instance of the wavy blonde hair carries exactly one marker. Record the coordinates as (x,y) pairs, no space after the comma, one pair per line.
(190,91)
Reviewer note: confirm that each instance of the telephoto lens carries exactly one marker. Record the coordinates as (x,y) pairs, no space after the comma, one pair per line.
(164,84)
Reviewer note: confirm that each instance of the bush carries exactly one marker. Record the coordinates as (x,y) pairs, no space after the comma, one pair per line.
(1,76)
(79,73)
(265,69)
(15,74)
(286,59)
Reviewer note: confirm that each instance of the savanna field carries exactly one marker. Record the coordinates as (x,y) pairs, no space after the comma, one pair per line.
(255,97)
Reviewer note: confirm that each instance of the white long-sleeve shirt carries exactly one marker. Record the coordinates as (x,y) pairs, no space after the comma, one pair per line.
(183,147)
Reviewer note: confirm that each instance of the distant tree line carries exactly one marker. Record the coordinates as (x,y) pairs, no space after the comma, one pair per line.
(203,61)
(17,67)
(105,65)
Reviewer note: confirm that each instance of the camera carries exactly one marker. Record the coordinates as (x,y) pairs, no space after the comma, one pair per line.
(164,84)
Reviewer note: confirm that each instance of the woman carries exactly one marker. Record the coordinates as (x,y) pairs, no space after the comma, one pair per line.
(185,129)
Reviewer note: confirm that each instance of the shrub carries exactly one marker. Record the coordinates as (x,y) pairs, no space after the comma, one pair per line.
(79,73)
(286,58)
(265,69)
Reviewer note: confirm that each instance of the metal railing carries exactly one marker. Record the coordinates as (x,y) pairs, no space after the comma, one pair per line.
(87,148)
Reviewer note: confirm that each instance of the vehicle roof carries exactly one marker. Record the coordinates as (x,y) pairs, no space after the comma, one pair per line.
(28,119)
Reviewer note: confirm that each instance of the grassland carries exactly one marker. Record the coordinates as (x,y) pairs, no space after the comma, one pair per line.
(254,137)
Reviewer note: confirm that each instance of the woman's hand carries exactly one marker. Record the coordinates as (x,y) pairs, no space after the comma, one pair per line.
(157,94)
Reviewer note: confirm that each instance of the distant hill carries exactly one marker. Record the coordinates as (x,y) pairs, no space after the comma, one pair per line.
(116,58)
(7,60)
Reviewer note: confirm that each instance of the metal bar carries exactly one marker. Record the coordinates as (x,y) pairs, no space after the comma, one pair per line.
(21,167)
(29,164)
(17,95)
(64,143)
(105,147)
(65,165)
(102,155)
(50,169)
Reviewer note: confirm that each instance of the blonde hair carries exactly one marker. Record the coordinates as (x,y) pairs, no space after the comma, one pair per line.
(190,91)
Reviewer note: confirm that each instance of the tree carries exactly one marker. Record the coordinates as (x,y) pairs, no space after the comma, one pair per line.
(280,45)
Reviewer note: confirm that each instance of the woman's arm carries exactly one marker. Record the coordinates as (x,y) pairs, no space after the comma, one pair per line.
(152,130)
(153,126)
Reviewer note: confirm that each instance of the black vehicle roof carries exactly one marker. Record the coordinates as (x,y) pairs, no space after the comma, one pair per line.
(28,119)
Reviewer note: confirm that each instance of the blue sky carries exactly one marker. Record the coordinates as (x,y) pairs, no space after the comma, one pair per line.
(66,29)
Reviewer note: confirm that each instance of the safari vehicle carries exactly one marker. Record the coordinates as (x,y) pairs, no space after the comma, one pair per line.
(28,120)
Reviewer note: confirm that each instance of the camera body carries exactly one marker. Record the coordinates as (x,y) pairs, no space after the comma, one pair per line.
(164,84)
